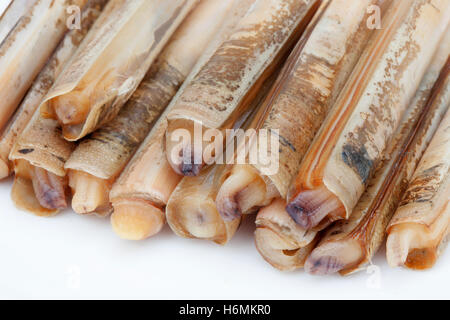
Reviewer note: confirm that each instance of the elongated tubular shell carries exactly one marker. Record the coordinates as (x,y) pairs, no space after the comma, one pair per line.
(347,247)
(419,230)
(90,195)
(111,62)
(13,12)
(27,48)
(279,240)
(104,154)
(141,179)
(44,81)
(37,191)
(39,146)
(221,90)
(191,211)
(242,190)
(147,179)
(336,169)
(312,78)
(142,220)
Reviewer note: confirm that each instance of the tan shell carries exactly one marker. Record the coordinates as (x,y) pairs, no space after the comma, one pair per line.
(27,48)
(369,109)
(23,197)
(318,69)
(46,78)
(427,195)
(420,228)
(386,97)
(140,178)
(41,144)
(105,153)
(207,182)
(219,92)
(283,225)
(377,205)
(197,194)
(287,260)
(116,55)
(279,240)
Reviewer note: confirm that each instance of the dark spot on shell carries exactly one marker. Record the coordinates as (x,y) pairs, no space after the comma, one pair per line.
(283,141)
(26,151)
(98,140)
(60,158)
(230,210)
(296,209)
(200,218)
(190,169)
(290,253)
(323,265)
(161,31)
(358,160)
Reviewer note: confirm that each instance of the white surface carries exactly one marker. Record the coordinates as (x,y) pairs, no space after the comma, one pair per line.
(3,5)
(70,256)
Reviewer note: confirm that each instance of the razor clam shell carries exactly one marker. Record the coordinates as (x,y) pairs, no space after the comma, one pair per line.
(291,261)
(41,144)
(427,195)
(207,180)
(116,21)
(150,157)
(285,227)
(371,104)
(105,152)
(27,48)
(47,77)
(322,62)
(23,197)
(377,205)
(219,92)
(381,106)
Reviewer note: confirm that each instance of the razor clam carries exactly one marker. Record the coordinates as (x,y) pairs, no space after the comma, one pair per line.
(111,62)
(279,240)
(38,157)
(420,228)
(220,92)
(26,49)
(138,196)
(341,160)
(317,70)
(44,81)
(191,211)
(348,246)
(100,158)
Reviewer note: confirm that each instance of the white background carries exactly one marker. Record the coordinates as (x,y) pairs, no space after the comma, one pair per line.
(3,5)
(70,256)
